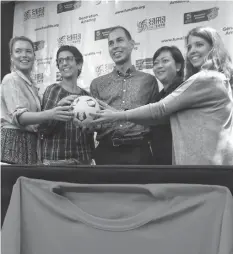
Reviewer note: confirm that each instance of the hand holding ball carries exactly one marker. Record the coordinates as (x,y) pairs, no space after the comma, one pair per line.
(82,107)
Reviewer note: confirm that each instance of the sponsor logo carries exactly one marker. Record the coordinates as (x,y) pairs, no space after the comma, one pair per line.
(69,39)
(131,9)
(68,6)
(136,44)
(34,13)
(38,45)
(93,53)
(104,69)
(46,27)
(44,61)
(174,39)
(102,34)
(142,64)
(39,78)
(228,30)
(200,16)
(58,76)
(89,18)
(151,24)
(179,2)
(98,2)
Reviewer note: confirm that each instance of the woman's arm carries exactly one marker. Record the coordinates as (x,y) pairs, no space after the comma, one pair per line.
(201,90)
(58,114)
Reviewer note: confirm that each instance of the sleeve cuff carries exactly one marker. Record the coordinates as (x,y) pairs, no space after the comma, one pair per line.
(17,113)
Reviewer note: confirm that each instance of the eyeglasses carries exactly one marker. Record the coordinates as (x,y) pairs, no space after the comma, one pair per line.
(69,59)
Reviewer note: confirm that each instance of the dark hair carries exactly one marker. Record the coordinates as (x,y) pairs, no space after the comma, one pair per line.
(72,49)
(127,33)
(176,54)
(19,38)
(218,58)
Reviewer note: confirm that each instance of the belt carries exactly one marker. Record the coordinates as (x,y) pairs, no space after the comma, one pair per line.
(129,140)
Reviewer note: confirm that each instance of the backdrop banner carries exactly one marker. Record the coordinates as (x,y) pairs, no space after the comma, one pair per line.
(85,24)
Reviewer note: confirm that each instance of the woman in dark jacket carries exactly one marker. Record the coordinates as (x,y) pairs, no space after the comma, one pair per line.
(168,67)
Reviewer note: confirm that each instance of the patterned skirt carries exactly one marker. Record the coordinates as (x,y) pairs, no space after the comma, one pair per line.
(18,147)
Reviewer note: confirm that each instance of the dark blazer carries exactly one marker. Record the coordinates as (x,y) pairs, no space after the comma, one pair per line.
(161,141)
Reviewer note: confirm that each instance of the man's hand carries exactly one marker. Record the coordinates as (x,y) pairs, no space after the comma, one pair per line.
(67,100)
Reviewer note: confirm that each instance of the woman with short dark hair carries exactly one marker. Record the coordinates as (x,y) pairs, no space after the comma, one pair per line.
(168,67)
(64,141)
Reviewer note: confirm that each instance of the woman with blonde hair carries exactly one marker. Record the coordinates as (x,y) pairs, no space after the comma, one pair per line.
(21,109)
(200,109)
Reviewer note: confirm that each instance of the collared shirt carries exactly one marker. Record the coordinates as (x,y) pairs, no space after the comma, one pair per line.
(62,140)
(18,94)
(124,92)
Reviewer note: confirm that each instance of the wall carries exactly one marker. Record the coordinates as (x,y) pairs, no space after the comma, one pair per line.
(85,24)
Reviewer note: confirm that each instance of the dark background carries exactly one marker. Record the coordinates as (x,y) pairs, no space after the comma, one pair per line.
(7,19)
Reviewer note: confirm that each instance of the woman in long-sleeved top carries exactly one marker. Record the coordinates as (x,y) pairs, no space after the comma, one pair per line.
(21,109)
(201,109)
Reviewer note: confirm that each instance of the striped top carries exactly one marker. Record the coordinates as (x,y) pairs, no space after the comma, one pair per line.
(62,140)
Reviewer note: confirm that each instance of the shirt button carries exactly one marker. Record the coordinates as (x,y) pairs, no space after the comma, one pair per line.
(124,80)
(123,101)
(123,90)
(121,125)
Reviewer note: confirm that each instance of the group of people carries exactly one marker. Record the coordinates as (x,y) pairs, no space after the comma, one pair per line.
(188,122)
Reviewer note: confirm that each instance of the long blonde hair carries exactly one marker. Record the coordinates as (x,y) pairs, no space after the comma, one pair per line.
(217,59)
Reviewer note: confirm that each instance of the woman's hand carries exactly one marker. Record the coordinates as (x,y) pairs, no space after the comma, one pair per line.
(104,105)
(61,113)
(67,100)
(107,115)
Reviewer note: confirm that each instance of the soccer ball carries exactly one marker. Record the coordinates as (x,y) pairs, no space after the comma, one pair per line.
(82,107)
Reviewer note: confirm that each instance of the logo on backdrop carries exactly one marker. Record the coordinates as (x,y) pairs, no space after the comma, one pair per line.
(228,30)
(146,63)
(68,6)
(34,13)
(44,61)
(89,18)
(98,2)
(69,39)
(174,39)
(93,53)
(38,45)
(131,9)
(136,45)
(39,78)
(104,69)
(179,2)
(200,16)
(102,34)
(151,24)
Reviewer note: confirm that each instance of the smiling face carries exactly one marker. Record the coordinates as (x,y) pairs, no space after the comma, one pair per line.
(120,47)
(22,56)
(67,65)
(165,68)
(198,49)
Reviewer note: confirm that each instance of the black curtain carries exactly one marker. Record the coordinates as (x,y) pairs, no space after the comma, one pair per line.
(7,19)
